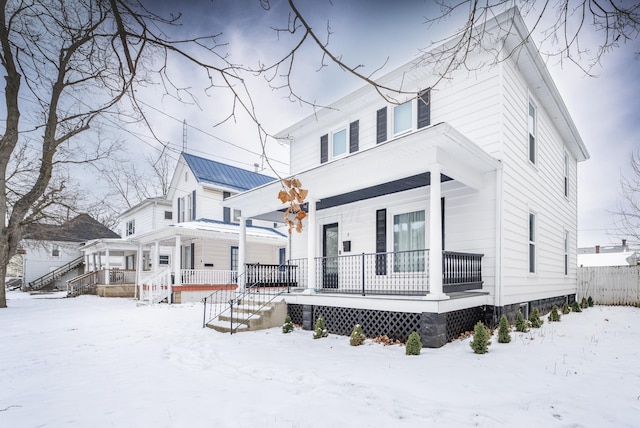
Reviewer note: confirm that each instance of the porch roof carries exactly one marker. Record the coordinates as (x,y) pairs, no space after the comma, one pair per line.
(401,160)
(212,229)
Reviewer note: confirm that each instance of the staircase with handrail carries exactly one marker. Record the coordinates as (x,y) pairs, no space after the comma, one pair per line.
(155,287)
(230,310)
(49,278)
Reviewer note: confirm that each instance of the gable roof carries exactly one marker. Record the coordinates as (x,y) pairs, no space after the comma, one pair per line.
(79,229)
(220,174)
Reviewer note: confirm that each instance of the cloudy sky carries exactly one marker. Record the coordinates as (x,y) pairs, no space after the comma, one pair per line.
(374,34)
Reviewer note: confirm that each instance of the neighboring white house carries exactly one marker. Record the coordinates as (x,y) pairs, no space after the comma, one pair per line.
(610,255)
(51,253)
(387,246)
(189,235)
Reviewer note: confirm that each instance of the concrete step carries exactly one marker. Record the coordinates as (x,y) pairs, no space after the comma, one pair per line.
(272,315)
(225,327)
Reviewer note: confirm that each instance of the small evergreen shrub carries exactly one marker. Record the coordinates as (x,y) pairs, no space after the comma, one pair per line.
(287,327)
(357,336)
(554,316)
(534,319)
(414,344)
(522,325)
(576,307)
(590,302)
(481,339)
(504,334)
(583,303)
(320,330)
(565,308)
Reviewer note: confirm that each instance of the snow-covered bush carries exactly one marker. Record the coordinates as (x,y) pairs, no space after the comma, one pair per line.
(287,327)
(554,315)
(481,339)
(504,334)
(522,325)
(565,308)
(576,307)
(534,319)
(414,344)
(590,302)
(320,330)
(357,336)
(583,303)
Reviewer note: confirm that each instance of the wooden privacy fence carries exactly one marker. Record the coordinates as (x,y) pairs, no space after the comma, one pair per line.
(610,285)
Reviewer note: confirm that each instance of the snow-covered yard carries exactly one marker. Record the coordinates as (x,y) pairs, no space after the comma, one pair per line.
(97,362)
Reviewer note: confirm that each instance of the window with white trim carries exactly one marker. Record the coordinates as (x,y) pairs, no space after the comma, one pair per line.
(532,243)
(409,242)
(339,143)
(163,260)
(131,227)
(533,125)
(55,250)
(402,118)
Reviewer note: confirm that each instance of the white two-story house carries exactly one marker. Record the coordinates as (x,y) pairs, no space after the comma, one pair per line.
(186,245)
(453,205)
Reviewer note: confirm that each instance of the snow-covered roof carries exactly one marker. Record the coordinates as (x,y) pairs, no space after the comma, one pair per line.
(627,258)
(233,228)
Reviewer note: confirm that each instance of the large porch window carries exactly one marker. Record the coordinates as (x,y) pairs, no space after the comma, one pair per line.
(409,236)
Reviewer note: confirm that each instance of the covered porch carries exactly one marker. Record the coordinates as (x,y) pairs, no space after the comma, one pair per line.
(397,172)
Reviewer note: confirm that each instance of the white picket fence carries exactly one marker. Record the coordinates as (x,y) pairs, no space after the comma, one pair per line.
(610,285)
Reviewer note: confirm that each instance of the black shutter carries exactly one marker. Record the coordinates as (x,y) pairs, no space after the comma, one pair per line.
(324,148)
(226,211)
(193,256)
(424,109)
(381,242)
(193,205)
(354,137)
(179,219)
(442,220)
(381,125)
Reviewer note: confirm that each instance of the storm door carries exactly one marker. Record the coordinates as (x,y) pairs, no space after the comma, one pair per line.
(330,255)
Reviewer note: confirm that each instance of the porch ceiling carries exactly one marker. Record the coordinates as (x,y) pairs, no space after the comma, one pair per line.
(406,159)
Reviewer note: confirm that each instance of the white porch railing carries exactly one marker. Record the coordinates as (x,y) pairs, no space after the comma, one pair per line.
(208,277)
(155,287)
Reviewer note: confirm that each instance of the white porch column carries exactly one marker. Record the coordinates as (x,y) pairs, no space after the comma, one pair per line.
(242,254)
(86,263)
(156,256)
(312,231)
(107,274)
(94,262)
(177,262)
(435,237)
(138,268)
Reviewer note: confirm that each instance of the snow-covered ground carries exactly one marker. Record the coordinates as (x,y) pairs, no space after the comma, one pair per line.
(97,362)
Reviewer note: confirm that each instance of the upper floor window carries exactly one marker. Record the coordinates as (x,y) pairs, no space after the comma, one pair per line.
(414,114)
(187,207)
(339,143)
(131,227)
(168,215)
(566,175)
(533,125)
(343,141)
(402,118)
(163,260)
(532,243)
(55,250)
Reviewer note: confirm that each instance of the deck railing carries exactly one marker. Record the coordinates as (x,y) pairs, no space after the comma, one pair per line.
(83,284)
(212,277)
(395,273)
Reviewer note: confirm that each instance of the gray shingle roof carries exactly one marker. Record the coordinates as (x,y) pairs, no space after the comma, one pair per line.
(212,172)
(79,229)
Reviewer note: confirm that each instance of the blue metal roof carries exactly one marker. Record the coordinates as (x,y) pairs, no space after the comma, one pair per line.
(212,172)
